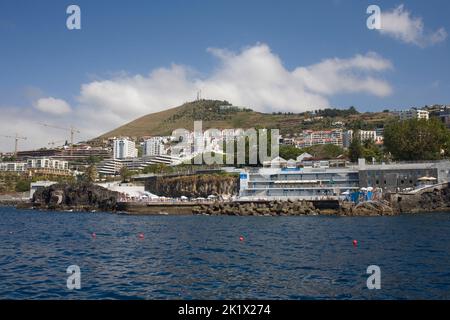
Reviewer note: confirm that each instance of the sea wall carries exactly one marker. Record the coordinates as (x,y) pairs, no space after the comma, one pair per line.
(193,186)
(186,208)
(13,198)
(293,208)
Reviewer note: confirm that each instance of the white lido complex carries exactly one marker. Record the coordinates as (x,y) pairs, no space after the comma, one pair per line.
(307,179)
(298,183)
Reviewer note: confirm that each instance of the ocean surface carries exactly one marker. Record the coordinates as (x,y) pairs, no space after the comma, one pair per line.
(202,257)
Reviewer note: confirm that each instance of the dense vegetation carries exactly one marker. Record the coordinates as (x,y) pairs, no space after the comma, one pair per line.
(325,151)
(222,115)
(337,112)
(417,140)
(207,110)
(364,149)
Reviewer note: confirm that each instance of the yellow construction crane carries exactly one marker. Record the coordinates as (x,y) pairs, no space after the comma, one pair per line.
(16,139)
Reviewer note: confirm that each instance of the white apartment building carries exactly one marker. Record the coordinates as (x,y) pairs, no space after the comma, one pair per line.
(13,166)
(312,138)
(113,166)
(347,137)
(365,135)
(413,113)
(124,148)
(35,163)
(154,147)
(444,116)
(47,163)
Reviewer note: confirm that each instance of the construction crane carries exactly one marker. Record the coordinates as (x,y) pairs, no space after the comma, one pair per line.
(16,139)
(52,143)
(72,130)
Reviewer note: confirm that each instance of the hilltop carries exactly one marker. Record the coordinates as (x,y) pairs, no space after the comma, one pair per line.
(223,115)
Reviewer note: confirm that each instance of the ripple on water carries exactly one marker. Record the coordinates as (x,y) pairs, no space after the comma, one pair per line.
(195,257)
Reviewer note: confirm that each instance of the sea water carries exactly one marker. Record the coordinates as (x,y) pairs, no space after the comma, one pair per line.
(222,257)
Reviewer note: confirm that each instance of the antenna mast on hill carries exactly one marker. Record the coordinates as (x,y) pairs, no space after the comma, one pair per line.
(199,95)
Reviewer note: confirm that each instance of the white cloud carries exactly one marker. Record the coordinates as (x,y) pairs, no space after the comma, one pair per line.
(53,106)
(335,76)
(400,24)
(126,97)
(254,77)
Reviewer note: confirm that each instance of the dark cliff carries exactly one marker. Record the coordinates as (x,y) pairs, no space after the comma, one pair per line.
(80,196)
(199,185)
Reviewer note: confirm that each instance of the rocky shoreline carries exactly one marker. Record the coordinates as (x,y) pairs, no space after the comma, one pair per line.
(89,198)
(435,198)
(294,208)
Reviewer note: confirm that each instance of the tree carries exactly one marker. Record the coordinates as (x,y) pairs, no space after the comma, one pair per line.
(91,174)
(352,110)
(332,151)
(417,139)
(140,150)
(325,151)
(125,174)
(371,151)
(157,168)
(22,186)
(337,112)
(289,152)
(355,150)
(94,159)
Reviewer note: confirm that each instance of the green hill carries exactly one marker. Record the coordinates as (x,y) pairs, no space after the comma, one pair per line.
(222,115)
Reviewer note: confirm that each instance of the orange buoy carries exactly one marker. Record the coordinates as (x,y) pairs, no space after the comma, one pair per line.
(141,235)
(241,238)
(355,243)
(94,235)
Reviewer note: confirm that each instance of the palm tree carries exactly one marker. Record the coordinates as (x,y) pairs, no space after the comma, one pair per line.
(91,173)
(125,174)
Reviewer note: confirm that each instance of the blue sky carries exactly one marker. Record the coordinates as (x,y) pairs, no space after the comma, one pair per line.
(122,40)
